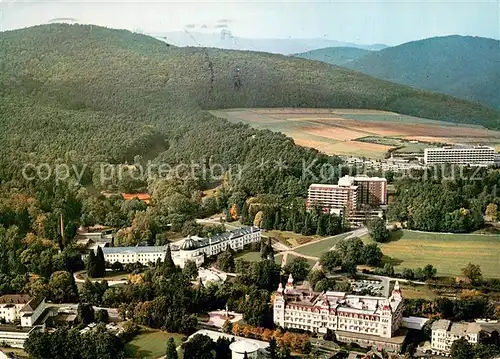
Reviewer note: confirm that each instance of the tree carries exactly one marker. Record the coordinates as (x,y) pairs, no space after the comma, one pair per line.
(371,255)
(462,349)
(429,271)
(298,267)
(85,314)
(330,260)
(491,212)
(171,352)
(378,230)
(272,350)
(473,273)
(226,260)
(407,273)
(117,266)
(92,270)
(245,217)
(168,263)
(222,350)
(100,263)
(315,276)
(257,221)
(102,316)
(190,270)
(256,309)
(199,347)
(62,288)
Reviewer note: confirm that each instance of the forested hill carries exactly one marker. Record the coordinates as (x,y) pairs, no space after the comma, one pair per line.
(462,66)
(87,94)
(335,55)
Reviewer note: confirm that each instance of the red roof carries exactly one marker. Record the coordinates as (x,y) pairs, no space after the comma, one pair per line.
(140,196)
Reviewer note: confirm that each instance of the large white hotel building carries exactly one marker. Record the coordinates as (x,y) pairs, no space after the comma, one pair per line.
(363,319)
(479,155)
(193,248)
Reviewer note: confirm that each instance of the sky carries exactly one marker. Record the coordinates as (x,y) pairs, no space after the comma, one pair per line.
(362,22)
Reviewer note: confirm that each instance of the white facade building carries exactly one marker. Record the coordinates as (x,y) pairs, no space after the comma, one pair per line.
(338,311)
(480,155)
(341,196)
(191,249)
(444,333)
(21,312)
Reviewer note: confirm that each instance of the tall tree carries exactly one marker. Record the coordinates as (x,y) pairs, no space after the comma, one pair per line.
(272,350)
(473,273)
(100,263)
(378,230)
(199,347)
(171,352)
(462,349)
(168,263)
(92,270)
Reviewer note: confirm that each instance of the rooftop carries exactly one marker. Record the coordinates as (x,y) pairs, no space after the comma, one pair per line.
(135,249)
(15,299)
(244,346)
(441,324)
(188,244)
(191,242)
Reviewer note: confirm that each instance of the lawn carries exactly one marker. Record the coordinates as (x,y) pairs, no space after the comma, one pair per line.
(418,291)
(449,253)
(316,249)
(249,256)
(150,344)
(291,239)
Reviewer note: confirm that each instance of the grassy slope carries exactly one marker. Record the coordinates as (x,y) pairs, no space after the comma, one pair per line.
(463,66)
(449,253)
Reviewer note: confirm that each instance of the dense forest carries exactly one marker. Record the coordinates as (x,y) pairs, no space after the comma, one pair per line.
(87,95)
(462,66)
(445,199)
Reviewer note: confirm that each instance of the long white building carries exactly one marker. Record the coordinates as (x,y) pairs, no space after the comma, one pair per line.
(479,155)
(366,319)
(444,333)
(193,248)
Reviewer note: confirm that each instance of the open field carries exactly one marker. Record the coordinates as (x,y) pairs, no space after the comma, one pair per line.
(335,131)
(449,253)
(291,239)
(150,344)
(316,249)
(418,291)
(249,256)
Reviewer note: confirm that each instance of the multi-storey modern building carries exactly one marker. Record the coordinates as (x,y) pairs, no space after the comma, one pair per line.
(341,196)
(371,190)
(193,248)
(444,333)
(361,319)
(479,155)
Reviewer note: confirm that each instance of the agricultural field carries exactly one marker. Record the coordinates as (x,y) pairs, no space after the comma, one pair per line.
(150,344)
(449,253)
(338,131)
